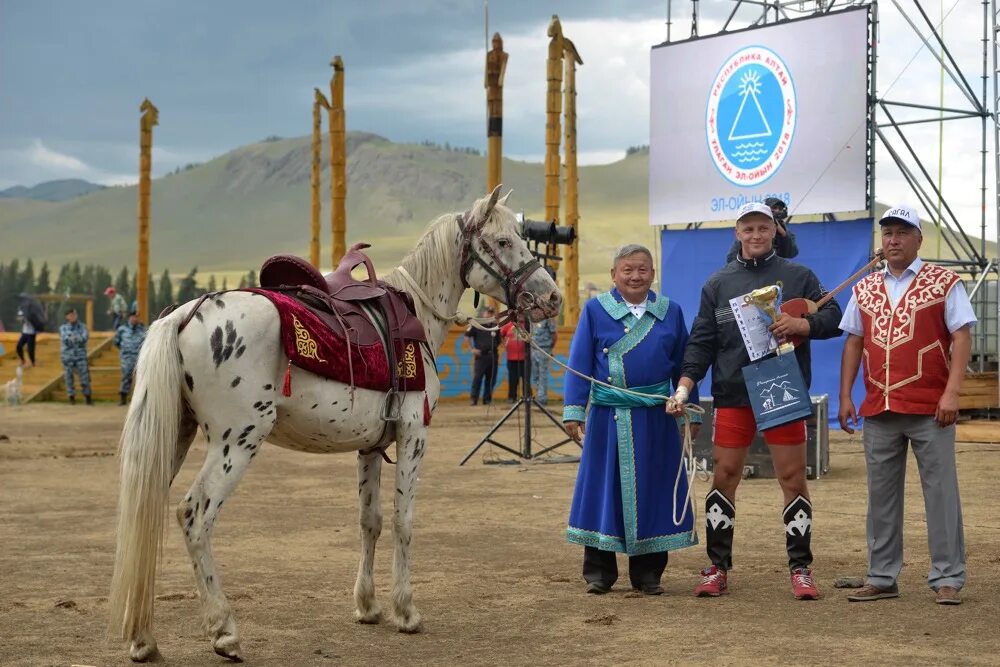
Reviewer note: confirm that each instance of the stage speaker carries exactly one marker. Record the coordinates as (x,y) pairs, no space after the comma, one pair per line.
(759,458)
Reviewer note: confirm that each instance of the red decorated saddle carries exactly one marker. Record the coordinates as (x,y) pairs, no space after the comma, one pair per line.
(364,333)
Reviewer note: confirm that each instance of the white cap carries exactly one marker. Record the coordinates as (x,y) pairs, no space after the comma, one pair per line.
(905,214)
(754,207)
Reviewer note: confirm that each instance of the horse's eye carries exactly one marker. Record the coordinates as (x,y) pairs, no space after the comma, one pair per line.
(503,243)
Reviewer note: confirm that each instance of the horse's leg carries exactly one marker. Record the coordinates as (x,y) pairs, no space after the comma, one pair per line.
(230,449)
(411,441)
(185,436)
(369,476)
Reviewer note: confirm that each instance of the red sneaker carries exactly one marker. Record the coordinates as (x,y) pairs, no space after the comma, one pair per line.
(803,585)
(713,583)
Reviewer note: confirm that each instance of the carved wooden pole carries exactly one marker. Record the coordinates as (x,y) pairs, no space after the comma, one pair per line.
(572,257)
(319,104)
(150,118)
(338,161)
(553,106)
(496,67)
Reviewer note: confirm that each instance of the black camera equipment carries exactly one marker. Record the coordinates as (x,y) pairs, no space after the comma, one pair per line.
(548,233)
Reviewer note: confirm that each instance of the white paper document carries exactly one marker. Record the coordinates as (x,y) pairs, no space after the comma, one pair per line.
(753,326)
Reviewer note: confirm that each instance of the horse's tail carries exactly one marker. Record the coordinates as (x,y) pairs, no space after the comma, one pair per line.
(146,452)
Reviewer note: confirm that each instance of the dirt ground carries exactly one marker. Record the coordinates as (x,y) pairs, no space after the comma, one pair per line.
(494,578)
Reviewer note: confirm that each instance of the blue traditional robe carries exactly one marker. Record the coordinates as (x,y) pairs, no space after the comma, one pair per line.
(624,498)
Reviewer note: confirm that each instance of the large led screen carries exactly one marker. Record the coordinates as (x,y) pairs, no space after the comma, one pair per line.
(771,111)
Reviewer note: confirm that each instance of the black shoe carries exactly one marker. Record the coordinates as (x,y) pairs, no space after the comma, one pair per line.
(122,400)
(597,588)
(88,400)
(473,402)
(650,590)
(72,400)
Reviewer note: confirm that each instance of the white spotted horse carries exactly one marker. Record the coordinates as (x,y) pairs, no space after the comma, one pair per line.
(223,372)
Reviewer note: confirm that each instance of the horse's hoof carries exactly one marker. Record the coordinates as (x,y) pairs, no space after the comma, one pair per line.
(372,617)
(410,625)
(142,649)
(228,647)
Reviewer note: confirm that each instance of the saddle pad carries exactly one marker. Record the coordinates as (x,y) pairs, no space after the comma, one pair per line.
(314,347)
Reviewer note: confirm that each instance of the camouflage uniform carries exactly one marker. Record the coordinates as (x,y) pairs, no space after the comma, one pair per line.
(128,340)
(73,352)
(544,335)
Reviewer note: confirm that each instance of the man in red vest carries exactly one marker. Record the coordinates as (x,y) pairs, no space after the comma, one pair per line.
(911,323)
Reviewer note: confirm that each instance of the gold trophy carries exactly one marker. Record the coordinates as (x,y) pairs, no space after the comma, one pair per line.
(765,299)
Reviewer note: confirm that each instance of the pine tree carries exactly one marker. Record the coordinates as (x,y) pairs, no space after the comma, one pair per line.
(27,277)
(211,284)
(62,282)
(122,284)
(224,284)
(188,289)
(43,281)
(154,308)
(165,294)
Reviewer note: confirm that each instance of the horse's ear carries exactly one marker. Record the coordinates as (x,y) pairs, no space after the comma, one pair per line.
(503,200)
(494,196)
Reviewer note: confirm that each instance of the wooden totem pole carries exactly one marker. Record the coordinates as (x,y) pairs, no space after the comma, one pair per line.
(338,161)
(572,257)
(553,107)
(496,67)
(319,104)
(150,118)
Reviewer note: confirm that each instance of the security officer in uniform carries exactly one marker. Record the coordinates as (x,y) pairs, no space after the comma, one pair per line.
(73,337)
(128,340)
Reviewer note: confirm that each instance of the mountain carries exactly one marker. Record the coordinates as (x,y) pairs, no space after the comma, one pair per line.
(229,214)
(226,216)
(52,190)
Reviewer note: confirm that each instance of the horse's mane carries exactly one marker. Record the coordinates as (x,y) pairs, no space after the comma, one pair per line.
(434,259)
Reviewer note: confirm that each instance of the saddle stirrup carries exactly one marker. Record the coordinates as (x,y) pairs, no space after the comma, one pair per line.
(391,406)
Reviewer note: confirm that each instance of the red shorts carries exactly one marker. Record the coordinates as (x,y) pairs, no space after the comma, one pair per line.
(736,427)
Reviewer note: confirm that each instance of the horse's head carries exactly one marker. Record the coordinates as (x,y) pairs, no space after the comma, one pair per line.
(496,260)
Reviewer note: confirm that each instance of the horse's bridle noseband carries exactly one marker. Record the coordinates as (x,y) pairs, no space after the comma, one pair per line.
(512,279)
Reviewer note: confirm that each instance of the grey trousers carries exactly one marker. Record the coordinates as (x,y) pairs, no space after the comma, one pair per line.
(885,437)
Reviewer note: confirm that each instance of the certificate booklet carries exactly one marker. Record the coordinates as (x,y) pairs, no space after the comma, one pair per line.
(753,326)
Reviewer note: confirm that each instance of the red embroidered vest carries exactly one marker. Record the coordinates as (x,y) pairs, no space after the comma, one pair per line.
(907,348)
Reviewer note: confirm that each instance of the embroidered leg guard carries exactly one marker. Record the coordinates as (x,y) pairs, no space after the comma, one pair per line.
(798,532)
(720,517)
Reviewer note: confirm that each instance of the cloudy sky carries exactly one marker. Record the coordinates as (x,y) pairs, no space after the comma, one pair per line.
(227,73)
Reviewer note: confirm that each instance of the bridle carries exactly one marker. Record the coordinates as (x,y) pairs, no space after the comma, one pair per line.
(512,279)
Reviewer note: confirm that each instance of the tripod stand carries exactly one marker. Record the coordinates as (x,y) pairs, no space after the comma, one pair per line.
(527,401)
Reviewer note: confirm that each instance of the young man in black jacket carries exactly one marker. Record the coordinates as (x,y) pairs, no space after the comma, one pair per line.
(716,342)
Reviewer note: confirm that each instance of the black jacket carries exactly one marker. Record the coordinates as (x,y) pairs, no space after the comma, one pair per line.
(715,339)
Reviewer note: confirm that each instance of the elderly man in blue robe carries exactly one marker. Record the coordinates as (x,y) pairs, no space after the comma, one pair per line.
(631,491)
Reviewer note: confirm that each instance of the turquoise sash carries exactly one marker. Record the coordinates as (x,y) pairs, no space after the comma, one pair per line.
(613,397)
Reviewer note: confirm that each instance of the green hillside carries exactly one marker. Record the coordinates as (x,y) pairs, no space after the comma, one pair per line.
(229,214)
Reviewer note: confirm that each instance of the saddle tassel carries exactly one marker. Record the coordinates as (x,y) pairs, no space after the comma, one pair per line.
(286,388)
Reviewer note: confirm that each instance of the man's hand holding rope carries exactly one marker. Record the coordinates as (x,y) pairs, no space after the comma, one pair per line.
(677,405)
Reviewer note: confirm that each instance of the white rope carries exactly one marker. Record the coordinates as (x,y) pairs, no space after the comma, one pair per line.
(459,317)
(687,449)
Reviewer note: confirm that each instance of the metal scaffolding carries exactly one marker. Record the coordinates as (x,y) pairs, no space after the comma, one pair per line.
(889,131)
